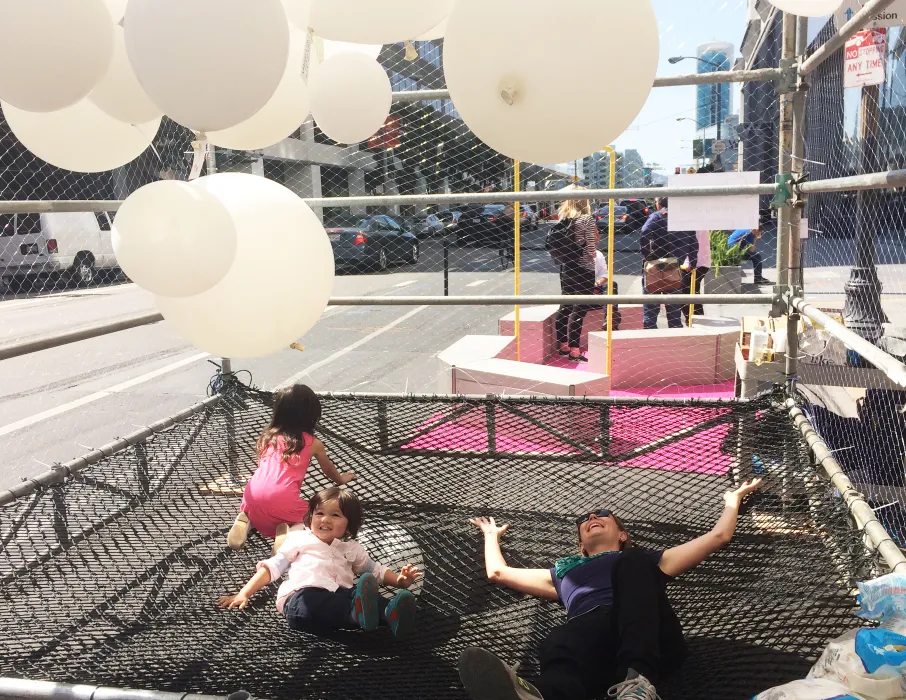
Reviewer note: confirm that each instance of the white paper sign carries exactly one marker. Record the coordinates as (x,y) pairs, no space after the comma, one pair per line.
(714,213)
(893,16)
(865,59)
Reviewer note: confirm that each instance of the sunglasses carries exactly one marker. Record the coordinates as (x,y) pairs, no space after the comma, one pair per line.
(603,513)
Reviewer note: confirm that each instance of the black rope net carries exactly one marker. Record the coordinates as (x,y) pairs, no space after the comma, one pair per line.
(111,578)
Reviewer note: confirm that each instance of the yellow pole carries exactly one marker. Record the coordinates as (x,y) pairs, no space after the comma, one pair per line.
(610,246)
(517,258)
(692,291)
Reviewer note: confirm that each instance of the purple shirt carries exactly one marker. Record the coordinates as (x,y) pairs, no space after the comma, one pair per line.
(589,585)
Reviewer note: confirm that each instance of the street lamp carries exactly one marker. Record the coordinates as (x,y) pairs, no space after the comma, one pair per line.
(720,97)
(702,127)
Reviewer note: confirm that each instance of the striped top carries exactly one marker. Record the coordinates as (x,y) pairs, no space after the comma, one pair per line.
(586,232)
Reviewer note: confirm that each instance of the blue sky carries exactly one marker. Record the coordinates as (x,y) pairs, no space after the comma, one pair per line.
(683,26)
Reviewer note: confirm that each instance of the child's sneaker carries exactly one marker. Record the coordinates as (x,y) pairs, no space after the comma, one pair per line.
(280,537)
(365,602)
(400,614)
(486,677)
(239,532)
(635,687)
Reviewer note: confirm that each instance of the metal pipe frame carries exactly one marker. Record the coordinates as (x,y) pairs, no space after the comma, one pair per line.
(892,367)
(859,21)
(59,473)
(584,300)
(876,535)
(855,183)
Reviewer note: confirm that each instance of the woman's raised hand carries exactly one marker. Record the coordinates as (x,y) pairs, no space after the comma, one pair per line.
(734,499)
(489,526)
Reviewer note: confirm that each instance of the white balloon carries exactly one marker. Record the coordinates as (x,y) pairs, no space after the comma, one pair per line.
(808,8)
(117,9)
(540,126)
(350,97)
(208,64)
(298,12)
(280,283)
(52,53)
(119,93)
(335,48)
(376,22)
(174,239)
(438,32)
(81,138)
(281,116)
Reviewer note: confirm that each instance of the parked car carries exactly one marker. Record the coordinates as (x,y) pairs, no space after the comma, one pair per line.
(482,225)
(620,222)
(372,243)
(39,247)
(430,226)
(450,220)
(529,218)
(639,210)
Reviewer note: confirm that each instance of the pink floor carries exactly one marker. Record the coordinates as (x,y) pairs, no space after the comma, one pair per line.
(632,430)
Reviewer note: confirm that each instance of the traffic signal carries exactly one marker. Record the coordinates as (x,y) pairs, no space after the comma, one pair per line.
(679,170)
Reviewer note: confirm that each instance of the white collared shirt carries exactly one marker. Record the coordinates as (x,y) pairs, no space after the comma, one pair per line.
(315,564)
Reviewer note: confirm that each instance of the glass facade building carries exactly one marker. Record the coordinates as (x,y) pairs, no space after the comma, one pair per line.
(713,102)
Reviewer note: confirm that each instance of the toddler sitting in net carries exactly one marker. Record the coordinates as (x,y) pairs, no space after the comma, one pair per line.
(271,502)
(323,559)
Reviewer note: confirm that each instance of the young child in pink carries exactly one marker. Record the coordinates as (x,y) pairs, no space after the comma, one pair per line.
(272,502)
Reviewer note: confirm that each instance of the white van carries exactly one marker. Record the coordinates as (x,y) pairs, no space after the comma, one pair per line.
(40,246)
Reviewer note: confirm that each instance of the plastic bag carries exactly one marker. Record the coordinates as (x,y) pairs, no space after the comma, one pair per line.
(842,663)
(883,597)
(808,690)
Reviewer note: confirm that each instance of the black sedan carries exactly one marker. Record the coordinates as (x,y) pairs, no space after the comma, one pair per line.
(620,220)
(372,243)
(484,225)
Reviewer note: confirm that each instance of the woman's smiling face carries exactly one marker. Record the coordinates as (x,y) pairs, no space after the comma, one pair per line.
(599,534)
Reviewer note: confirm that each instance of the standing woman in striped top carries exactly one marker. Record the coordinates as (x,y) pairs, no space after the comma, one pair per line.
(578,276)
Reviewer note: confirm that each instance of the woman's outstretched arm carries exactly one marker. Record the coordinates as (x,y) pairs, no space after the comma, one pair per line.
(679,560)
(536,582)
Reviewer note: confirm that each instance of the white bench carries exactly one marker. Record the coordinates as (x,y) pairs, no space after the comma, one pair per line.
(468,349)
(701,355)
(538,334)
(508,377)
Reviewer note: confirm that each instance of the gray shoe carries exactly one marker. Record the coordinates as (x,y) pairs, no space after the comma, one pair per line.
(486,677)
(635,687)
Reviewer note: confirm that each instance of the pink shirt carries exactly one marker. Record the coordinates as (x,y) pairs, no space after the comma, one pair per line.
(315,564)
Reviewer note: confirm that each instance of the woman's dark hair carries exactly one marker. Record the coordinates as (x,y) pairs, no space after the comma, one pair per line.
(297,410)
(661,202)
(624,545)
(349,503)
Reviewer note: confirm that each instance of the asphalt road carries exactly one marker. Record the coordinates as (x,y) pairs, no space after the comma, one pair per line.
(57,404)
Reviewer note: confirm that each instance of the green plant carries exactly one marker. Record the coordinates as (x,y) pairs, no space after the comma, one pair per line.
(722,253)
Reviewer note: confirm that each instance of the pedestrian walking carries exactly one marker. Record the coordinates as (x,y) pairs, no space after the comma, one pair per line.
(665,253)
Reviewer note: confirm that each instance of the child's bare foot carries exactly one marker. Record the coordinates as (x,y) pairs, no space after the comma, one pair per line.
(282,532)
(239,532)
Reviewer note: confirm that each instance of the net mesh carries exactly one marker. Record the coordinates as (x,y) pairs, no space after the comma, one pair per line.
(110,578)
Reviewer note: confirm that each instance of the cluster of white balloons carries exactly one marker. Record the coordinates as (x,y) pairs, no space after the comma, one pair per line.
(238,264)
(808,8)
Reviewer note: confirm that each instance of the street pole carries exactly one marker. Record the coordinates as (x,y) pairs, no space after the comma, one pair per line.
(862,312)
(785,150)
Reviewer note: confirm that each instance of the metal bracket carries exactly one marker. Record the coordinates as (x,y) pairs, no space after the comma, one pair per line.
(779,305)
(788,82)
(784,196)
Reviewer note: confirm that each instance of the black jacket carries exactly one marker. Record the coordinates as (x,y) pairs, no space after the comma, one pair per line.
(658,242)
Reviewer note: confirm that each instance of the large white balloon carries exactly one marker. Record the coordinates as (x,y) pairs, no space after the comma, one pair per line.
(281,116)
(52,53)
(298,12)
(376,22)
(117,9)
(208,64)
(350,97)
(512,95)
(335,48)
(438,32)
(81,137)
(119,93)
(174,238)
(280,283)
(808,8)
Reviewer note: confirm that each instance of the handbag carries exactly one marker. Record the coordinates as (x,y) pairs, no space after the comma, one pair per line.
(663,276)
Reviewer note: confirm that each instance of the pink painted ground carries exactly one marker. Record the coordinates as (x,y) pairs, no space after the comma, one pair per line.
(632,430)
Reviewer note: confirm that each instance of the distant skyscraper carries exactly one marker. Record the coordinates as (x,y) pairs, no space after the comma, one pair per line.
(714,102)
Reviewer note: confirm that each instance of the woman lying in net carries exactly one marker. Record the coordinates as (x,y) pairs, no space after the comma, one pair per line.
(620,631)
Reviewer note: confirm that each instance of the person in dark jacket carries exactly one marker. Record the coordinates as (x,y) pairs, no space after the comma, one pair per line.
(658,242)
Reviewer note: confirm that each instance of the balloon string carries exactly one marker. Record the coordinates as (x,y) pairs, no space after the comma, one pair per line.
(306,61)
